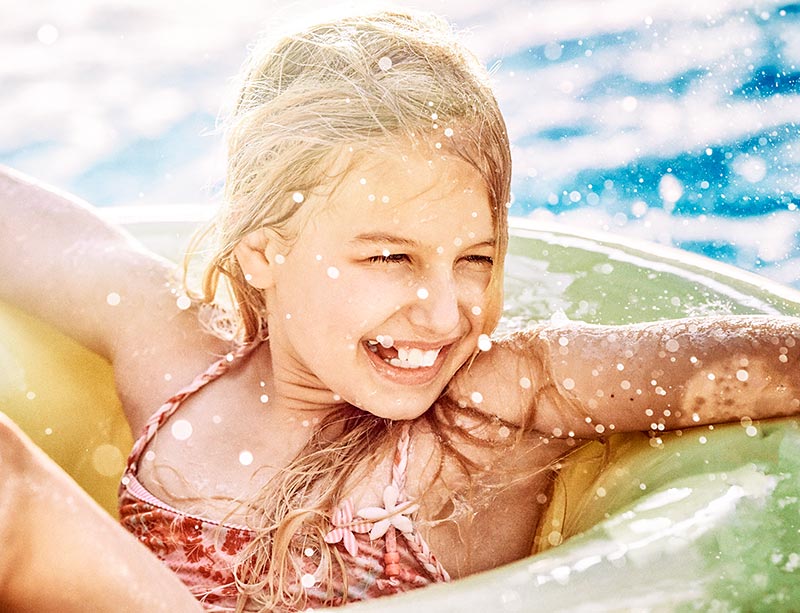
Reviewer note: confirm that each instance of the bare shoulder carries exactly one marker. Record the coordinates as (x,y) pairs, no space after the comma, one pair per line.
(504,380)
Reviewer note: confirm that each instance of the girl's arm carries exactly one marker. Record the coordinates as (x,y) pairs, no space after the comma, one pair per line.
(588,380)
(61,552)
(60,262)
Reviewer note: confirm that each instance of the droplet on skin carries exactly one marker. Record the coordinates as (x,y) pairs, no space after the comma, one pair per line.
(568,384)
(248,277)
(599,428)
(333,272)
(742,375)
(150,455)
(476,310)
(113,299)
(183,302)
(264,398)
(30,395)
(711,376)
(216,419)
(336,397)
(476,397)
(484,342)
(48,431)
(229,357)
(504,432)
(298,197)
(524,383)
(448,132)
(672,345)
(245,458)
(457,241)
(363,181)
(280,258)
(181,429)
(563,341)
(308,551)
(167,376)
(751,431)
(422,293)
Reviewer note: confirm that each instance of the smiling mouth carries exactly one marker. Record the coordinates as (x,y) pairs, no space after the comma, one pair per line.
(406,357)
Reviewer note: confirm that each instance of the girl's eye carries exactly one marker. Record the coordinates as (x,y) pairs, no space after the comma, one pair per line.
(392,258)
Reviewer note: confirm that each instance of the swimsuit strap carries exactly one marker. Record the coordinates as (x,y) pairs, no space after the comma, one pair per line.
(418,546)
(167,409)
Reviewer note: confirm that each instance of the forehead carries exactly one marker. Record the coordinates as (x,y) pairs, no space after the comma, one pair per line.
(410,185)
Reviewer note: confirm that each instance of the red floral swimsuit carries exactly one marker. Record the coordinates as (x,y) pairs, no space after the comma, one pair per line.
(387,554)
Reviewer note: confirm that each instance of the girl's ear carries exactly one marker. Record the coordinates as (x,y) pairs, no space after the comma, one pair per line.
(256,254)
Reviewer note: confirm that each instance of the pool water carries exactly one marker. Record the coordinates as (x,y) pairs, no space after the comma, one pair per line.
(658,120)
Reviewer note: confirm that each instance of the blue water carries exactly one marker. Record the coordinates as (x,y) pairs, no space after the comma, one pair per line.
(653,119)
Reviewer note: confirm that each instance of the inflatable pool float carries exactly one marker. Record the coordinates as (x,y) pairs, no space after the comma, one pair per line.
(703,519)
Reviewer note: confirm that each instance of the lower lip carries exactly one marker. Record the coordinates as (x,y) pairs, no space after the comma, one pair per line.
(408,376)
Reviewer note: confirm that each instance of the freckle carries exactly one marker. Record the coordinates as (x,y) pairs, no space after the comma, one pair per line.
(611,396)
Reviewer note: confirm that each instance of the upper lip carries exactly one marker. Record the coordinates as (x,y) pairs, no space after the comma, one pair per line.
(424,345)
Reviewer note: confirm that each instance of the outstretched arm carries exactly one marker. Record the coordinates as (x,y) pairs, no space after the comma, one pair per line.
(588,380)
(61,552)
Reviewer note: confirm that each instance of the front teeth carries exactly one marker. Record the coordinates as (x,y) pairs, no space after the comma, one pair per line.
(414,358)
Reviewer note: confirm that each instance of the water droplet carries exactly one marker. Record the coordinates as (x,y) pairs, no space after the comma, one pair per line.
(30,395)
(309,551)
(333,272)
(742,375)
(448,132)
(385,199)
(363,181)
(167,376)
(568,384)
(150,455)
(476,397)
(280,258)
(524,383)
(245,458)
(503,432)
(308,580)
(298,197)
(422,293)
(181,429)
(601,492)
(711,376)
(113,299)
(48,431)
(672,345)
(476,310)
(183,302)
(484,342)
(264,398)
(47,34)
(385,63)
(751,431)
(108,460)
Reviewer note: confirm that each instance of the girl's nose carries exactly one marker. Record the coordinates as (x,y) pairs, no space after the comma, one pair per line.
(435,305)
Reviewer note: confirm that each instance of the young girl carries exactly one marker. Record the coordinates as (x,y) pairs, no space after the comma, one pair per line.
(343,427)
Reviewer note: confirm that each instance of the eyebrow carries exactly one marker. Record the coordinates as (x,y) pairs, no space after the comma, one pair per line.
(392,239)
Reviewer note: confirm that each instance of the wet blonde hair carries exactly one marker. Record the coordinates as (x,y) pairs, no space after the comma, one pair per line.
(355,84)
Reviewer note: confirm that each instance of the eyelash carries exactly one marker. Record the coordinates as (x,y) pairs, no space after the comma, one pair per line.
(397,258)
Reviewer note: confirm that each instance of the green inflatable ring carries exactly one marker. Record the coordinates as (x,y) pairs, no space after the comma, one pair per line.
(705,519)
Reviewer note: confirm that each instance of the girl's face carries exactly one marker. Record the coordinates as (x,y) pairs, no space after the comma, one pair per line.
(382,297)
